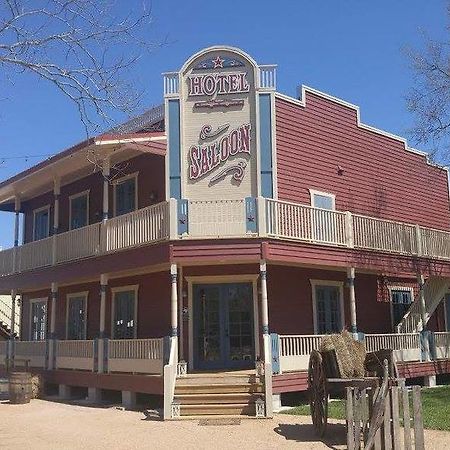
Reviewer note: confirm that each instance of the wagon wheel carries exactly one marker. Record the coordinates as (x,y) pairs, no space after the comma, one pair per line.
(318,394)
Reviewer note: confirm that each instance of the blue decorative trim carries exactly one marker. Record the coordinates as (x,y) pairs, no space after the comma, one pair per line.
(16,242)
(54,295)
(263,274)
(103,288)
(350,282)
(265,329)
(183,216)
(251,215)
(265,139)
(275,344)
(174,149)
(218,63)
(174,332)
(353,329)
(105,216)
(173,277)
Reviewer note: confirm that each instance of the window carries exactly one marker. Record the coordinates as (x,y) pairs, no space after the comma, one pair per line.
(38,312)
(125,195)
(401,299)
(322,200)
(79,210)
(76,316)
(328,306)
(124,312)
(41,223)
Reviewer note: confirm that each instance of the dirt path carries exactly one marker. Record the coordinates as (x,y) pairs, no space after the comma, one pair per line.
(49,425)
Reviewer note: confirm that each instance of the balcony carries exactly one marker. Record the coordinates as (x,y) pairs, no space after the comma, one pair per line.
(246,218)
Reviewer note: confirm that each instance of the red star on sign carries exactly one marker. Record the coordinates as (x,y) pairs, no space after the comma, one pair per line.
(218,62)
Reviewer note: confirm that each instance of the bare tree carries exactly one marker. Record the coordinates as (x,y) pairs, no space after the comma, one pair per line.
(429,100)
(85,48)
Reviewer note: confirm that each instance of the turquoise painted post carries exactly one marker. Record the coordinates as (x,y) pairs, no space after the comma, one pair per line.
(251,215)
(275,340)
(183,216)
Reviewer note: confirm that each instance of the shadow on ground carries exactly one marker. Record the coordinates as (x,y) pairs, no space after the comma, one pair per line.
(336,434)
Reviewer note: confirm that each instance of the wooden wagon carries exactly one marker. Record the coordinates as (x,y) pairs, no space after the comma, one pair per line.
(325,379)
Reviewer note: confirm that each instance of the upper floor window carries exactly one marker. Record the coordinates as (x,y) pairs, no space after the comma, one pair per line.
(125,195)
(76,316)
(79,210)
(401,299)
(124,312)
(322,200)
(41,223)
(38,312)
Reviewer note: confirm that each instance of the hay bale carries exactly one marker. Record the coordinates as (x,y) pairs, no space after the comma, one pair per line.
(37,386)
(350,354)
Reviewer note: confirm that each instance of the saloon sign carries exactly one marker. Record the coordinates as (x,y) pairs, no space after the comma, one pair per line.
(217,84)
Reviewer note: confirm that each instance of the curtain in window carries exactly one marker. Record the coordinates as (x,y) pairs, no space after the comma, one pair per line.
(76,318)
(328,309)
(401,302)
(41,224)
(124,315)
(78,212)
(126,196)
(38,320)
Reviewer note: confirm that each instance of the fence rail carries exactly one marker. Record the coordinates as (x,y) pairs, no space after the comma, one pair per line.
(442,345)
(80,243)
(35,352)
(75,354)
(435,243)
(35,254)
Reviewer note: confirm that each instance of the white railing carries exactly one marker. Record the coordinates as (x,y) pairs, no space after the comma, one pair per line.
(35,254)
(170,378)
(7,261)
(218,218)
(171,83)
(80,243)
(268,77)
(6,315)
(145,225)
(435,243)
(442,345)
(305,223)
(295,350)
(33,351)
(406,346)
(136,355)
(384,235)
(75,354)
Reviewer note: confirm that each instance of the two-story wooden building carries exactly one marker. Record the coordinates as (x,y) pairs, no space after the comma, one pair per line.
(199,251)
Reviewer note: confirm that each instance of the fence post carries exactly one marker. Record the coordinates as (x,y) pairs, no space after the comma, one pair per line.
(173,219)
(105,367)
(349,232)
(251,216)
(262,216)
(275,342)
(419,244)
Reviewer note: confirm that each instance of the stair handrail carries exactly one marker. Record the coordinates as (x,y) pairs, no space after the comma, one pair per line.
(170,375)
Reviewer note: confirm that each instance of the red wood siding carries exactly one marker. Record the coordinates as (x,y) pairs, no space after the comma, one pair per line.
(380,177)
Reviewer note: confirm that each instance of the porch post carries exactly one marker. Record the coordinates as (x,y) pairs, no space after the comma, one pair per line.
(56,194)
(423,312)
(351,292)
(102,362)
(264,310)
(52,337)
(10,352)
(16,232)
(106,172)
(174,300)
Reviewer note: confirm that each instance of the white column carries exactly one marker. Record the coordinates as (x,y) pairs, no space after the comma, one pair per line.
(423,312)
(16,232)
(174,300)
(103,287)
(56,194)
(180,312)
(351,293)
(13,312)
(106,173)
(264,311)
(54,295)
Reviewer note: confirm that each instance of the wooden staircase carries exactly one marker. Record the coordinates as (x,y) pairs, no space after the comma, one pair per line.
(228,394)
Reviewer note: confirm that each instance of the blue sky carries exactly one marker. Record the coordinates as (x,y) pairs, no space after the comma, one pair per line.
(351,49)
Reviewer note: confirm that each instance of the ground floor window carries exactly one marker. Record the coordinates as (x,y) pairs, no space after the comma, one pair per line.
(76,316)
(38,328)
(327,306)
(124,312)
(401,299)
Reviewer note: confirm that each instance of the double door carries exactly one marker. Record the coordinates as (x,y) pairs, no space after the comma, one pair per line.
(223,326)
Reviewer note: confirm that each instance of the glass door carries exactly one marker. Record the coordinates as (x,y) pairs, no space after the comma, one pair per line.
(328,309)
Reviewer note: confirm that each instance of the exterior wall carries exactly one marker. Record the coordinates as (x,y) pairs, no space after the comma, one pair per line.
(380,178)
(151,189)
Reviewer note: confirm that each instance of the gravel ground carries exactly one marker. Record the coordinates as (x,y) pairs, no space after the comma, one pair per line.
(50,425)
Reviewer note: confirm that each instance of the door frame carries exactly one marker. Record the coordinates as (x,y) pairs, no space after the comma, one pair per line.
(330,283)
(221,279)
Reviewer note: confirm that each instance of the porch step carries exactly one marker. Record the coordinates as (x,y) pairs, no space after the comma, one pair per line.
(219,388)
(219,378)
(213,398)
(212,409)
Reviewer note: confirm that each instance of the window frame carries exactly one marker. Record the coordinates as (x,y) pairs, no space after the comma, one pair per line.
(391,308)
(330,283)
(69,297)
(120,180)
(31,302)
(118,289)
(75,196)
(313,192)
(38,210)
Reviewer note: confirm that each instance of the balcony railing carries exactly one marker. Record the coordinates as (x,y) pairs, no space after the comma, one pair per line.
(250,217)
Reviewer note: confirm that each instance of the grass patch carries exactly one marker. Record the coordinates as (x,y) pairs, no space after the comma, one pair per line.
(435,404)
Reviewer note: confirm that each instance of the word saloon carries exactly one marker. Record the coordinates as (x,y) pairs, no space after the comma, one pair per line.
(204,159)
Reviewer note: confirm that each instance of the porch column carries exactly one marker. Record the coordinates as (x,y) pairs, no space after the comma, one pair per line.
(351,292)
(264,311)
(10,351)
(423,312)
(174,300)
(52,336)
(102,348)
(16,232)
(106,171)
(56,194)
